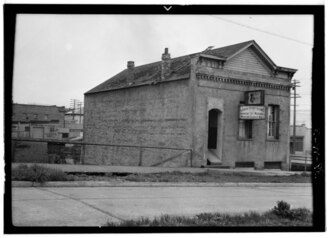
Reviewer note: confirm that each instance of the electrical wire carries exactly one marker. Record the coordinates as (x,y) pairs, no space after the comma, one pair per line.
(263,31)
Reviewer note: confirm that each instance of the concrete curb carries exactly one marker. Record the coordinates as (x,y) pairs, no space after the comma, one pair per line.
(149,184)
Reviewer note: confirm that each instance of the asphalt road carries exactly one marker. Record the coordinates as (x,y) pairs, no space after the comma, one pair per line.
(94,206)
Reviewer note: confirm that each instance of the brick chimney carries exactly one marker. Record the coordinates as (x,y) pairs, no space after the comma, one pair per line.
(165,65)
(130,64)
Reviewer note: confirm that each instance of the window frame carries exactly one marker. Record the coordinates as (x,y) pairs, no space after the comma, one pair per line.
(273,125)
(300,140)
(248,129)
(211,63)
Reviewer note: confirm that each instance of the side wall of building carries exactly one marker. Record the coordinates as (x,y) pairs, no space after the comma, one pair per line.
(156,116)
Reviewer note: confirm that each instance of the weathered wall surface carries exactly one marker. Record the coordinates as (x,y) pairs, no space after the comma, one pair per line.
(258,149)
(25,113)
(153,116)
(30,152)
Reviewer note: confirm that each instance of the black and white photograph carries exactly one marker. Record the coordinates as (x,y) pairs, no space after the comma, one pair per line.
(134,119)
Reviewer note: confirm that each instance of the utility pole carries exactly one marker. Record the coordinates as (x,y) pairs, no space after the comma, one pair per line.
(74,104)
(295,96)
(79,105)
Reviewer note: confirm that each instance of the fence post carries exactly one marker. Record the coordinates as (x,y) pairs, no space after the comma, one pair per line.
(140,157)
(82,153)
(289,163)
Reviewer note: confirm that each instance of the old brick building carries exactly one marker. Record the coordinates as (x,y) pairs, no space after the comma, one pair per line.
(228,106)
(37,121)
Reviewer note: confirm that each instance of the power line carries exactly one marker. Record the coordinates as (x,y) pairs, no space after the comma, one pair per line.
(263,31)
(303,111)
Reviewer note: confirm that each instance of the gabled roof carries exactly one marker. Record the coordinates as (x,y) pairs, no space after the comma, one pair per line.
(180,67)
(145,74)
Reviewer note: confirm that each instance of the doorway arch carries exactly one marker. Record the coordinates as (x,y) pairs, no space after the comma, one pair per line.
(214,136)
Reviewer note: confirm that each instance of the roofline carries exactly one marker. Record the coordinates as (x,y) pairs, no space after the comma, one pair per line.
(23,104)
(290,70)
(212,57)
(272,65)
(187,76)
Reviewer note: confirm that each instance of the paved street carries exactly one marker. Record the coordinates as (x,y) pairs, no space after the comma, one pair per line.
(94,206)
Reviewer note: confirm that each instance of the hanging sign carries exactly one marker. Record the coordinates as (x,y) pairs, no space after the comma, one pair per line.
(254,97)
(252,112)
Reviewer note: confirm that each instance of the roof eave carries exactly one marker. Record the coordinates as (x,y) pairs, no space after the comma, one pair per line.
(284,69)
(186,76)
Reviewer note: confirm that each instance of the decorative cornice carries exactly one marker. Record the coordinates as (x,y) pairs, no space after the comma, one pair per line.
(242,82)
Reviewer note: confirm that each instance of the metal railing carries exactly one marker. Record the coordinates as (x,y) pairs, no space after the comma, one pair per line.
(66,151)
(300,160)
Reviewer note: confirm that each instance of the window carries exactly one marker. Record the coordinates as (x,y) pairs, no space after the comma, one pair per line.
(214,64)
(46,116)
(245,129)
(27,128)
(299,144)
(26,116)
(273,122)
(52,128)
(35,116)
(210,63)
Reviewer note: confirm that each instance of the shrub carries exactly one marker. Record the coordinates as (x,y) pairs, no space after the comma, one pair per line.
(300,214)
(37,173)
(283,209)
(22,172)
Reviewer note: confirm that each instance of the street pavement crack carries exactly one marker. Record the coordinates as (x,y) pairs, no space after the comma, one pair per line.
(85,203)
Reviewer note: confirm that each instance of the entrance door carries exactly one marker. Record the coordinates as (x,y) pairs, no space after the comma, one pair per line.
(214,137)
(213,129)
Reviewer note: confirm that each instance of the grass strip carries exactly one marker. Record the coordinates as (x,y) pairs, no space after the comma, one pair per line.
(280,215)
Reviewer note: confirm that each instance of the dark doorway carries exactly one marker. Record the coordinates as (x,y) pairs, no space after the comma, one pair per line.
(213,129)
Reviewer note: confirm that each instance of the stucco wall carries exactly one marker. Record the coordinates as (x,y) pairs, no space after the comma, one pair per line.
(152,116)
(258,149)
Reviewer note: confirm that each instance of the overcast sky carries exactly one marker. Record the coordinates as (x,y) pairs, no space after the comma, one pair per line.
(60,57)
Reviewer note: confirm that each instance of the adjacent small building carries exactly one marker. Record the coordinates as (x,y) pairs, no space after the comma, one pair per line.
(228,106)
(302,143)
(37,121)
(74,119)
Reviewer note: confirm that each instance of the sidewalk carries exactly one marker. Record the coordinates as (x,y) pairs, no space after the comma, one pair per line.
(94,206)
(64,184)
(134,169)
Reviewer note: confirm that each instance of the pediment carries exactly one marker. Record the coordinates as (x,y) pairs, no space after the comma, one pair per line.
(250,60)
